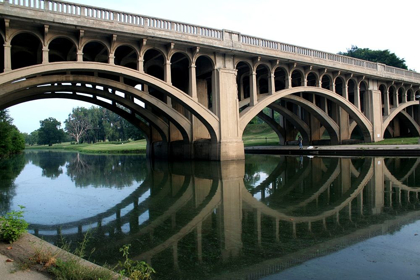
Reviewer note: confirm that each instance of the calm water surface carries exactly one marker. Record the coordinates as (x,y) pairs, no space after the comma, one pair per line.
(233,220)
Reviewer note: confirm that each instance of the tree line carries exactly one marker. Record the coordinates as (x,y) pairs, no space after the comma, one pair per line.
(84,125)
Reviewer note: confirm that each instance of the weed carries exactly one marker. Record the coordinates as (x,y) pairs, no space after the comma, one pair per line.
(134,270)
(12,225)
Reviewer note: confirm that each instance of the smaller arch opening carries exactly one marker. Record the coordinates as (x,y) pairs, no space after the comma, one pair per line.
(297,78)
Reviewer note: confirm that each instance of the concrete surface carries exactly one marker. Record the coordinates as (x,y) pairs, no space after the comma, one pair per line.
(9,271)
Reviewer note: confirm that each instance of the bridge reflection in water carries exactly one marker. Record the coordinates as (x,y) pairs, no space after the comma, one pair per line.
(198,220)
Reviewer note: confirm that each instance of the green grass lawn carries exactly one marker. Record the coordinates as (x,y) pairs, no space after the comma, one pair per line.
(397,141)
(102,147)
(260,135)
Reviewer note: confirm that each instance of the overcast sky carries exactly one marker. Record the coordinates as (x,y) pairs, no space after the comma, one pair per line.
(326,25)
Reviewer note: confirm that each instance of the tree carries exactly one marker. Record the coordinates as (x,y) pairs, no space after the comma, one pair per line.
(78,123)
(50,132)
(11,140)
(381,56)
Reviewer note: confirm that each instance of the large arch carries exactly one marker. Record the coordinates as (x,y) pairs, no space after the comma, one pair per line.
(366,126)
(24,76)
(398,110)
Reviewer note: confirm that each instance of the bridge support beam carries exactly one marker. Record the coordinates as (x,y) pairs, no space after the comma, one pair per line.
(230,144)
(375,114)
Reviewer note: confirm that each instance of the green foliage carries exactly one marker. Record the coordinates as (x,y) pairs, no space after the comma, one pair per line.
(32,138)
(50,132)
(11,140)
(12,225)
(99,124)
(134,270)
(381,56)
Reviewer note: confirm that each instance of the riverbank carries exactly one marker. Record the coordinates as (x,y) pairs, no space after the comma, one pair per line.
(339,150)
(132,147)
(16,260)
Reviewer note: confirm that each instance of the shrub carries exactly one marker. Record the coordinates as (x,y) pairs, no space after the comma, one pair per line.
(134,270)
(12,225)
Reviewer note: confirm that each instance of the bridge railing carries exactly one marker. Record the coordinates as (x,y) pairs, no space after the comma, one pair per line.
(78,10)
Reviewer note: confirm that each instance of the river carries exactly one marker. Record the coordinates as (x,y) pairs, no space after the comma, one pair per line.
(247,219)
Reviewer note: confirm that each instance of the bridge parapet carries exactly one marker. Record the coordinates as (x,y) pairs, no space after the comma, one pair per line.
(199,34)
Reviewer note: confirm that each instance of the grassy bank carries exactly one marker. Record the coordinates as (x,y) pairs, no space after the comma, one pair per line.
(133,147)
(254,135)
(397,141)
(260,135)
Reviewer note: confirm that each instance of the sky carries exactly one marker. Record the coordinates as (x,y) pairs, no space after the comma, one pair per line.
(326,25)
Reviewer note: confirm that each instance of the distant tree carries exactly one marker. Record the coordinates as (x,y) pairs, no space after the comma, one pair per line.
(32,139)
(380,56)
(50,132)
(78,123)
(11,140)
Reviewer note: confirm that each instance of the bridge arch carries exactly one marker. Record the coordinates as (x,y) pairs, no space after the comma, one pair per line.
(126,55)
(263,78)
(297,77)
(205,67)
(243,78)
(365,125)
(208,119)
(281,77)
(340,86)
(326,81)
(401,109)
(60,46)
(392,95)
(153,62)
(180,66)
(91,51)
(26,49)
(312,79)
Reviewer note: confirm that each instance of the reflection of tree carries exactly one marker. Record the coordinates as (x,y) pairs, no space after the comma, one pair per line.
(51,162)
(106,171)
(9,170)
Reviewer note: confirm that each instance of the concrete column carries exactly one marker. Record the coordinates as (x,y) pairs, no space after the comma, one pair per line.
(376,114)
(241,89)
(192,89)
(231,146)
(214,80)
(140,65)
(253,89)
(357,97)
(7,56)
(45,58)
(271,84)
(232,183)
(79,55)
(386,103)
(167,72)
(377,186)
(168,79)
(111,59)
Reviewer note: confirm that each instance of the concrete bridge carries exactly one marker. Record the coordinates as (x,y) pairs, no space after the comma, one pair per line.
(192,90)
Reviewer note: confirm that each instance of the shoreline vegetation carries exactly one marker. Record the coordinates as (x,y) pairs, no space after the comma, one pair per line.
(254,135)
(126,147)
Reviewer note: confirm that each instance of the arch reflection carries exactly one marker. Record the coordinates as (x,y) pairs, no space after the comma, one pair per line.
(194,220)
